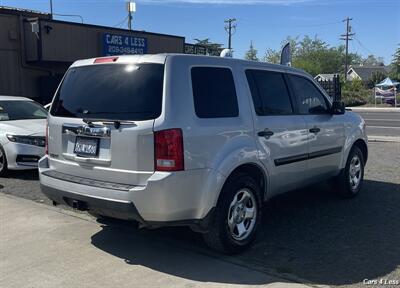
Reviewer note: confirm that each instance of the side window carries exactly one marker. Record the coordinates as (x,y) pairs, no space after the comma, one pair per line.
(214,92)
(269,92)
(309,98)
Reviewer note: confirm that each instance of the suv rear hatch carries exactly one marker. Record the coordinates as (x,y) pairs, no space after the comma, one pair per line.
(101,121)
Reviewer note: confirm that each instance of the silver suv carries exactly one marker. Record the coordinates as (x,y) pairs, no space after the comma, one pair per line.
(193,140)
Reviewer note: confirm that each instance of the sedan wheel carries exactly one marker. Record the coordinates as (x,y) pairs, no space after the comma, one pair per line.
(3,162)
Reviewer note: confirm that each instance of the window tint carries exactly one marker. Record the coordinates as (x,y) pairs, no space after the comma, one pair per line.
(269,92)
(309,98)
(111,91)
(214,92)
(20,110)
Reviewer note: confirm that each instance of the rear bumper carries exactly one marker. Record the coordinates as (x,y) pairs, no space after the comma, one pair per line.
(168,199)
(110,208)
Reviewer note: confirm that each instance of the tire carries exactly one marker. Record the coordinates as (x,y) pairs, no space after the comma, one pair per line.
(3,163)
(240,195)
(349,182)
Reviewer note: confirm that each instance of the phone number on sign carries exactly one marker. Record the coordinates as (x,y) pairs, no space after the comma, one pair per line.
(125,50)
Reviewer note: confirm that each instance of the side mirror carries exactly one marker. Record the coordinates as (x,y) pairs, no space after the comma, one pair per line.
(338,108)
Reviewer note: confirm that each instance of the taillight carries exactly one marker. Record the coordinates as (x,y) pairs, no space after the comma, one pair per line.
(168,146)
(46,149)
(105,59)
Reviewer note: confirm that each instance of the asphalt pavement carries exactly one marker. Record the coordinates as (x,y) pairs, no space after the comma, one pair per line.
(308,236)
(45,247)
(381,123)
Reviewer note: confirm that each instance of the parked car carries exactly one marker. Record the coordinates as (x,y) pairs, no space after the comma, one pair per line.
(200,141)
(22,133)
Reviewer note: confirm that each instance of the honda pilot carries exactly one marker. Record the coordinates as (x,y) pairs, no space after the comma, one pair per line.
(171,140)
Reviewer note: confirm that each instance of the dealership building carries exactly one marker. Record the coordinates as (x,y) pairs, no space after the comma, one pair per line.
(35,50)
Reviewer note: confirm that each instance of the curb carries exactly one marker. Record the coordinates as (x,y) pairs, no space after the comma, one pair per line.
(387,139)
(374,109)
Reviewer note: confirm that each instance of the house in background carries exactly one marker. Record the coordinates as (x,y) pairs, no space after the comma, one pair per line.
(364,72)
(325,77)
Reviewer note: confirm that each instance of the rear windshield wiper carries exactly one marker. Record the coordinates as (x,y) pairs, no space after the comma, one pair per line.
(117,122)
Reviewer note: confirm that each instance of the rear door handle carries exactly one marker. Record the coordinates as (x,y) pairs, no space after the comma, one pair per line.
(265,133)
(314,130)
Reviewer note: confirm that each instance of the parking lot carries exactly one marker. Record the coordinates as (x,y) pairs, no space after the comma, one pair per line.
(309,236)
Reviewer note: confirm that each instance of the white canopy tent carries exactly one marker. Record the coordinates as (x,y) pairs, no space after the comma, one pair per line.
(386,90)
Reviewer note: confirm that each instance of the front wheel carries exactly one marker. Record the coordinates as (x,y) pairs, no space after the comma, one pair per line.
(349,182)
(237,215)
(3,162)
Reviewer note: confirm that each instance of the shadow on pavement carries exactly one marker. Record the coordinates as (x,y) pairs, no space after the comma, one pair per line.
(309,233)
(23,174)
(152,250)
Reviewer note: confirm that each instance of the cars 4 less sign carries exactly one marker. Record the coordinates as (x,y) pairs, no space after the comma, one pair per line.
(123,44)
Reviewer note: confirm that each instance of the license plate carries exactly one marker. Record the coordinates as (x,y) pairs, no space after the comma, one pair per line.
(86,146)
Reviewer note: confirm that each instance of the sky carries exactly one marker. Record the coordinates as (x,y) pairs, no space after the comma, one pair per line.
(264,22)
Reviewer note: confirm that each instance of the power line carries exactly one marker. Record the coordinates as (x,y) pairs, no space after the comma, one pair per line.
(347,37)
(119,24)
(361,45)
(231,29)
(273,26)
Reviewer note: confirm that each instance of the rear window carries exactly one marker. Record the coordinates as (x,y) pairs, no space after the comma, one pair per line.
(269,92)
(21,110)
(111,92)
(214,92)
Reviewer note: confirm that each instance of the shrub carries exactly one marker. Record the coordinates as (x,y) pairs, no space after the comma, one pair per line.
(355,94)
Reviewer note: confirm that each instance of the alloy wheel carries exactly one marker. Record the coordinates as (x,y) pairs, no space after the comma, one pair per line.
(355,172)
(242,214)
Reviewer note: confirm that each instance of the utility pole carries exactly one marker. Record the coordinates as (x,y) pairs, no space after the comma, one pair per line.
(51,9)
(230,28)
(130,20)
(347,38)
(131,6)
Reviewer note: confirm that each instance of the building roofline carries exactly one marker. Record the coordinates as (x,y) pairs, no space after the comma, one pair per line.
(112,28)
(47,17)
(24,12)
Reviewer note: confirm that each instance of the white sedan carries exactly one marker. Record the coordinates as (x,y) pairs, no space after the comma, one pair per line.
(22,133)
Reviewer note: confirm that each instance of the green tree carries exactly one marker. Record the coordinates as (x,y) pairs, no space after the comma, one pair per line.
(251,54)
(372,60)
(272,56)
(314,55)
(395,65)
(375,78)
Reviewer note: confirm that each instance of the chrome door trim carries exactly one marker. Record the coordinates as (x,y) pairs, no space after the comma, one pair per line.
(92,130)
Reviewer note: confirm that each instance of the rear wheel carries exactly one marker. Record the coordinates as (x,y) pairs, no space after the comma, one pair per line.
(3,162)
(349,182)
(237,215)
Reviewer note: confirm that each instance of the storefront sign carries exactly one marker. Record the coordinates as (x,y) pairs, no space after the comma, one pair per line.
(123,44)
